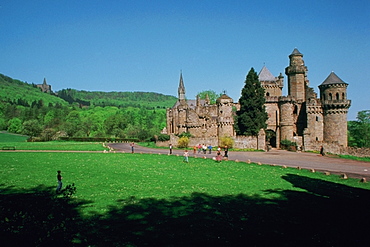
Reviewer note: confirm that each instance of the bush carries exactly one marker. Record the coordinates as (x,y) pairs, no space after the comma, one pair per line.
(163,137)
(183,142)
(227,141)
(286,142)
(288,145)
(185,134)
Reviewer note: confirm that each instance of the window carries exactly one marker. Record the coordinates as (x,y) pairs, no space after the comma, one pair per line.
(337,96)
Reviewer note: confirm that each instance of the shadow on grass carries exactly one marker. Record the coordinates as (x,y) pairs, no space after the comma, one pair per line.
(325,214)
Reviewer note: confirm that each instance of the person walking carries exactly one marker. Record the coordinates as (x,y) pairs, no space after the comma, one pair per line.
(59,179)
(170,148)
(226,149)
(219,156)
(322,152)
(132,147)
(186,156)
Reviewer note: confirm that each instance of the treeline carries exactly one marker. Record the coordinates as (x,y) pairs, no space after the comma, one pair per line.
(24,109)
(147,100)
(53,121)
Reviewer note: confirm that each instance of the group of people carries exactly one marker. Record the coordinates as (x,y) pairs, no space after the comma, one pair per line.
(203,148)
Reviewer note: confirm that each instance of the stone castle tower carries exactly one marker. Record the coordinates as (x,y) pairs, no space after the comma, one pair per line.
(333,95)
(300,116)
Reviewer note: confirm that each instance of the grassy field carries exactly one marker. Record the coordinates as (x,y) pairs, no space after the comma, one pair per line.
(105,178)
(150,199)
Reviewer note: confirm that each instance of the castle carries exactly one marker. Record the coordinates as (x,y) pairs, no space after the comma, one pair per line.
(300,116)
(45,88)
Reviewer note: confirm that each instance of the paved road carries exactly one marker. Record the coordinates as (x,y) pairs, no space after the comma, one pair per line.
(355,169)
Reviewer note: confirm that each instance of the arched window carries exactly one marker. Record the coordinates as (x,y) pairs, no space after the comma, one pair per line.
(267,94)
(330,96)
(337,96)
(343,96)
(317,118)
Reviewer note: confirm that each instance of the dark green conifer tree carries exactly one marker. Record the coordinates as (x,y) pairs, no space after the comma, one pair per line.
(252,115)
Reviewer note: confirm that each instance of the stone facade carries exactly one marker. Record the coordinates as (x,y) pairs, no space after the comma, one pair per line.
(300,116)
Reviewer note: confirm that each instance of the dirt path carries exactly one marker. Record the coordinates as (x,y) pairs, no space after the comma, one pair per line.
(352,168)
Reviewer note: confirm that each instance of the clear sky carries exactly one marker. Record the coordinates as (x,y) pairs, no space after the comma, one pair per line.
(142,45)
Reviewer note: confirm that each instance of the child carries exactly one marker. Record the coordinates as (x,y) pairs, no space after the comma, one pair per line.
(60,184)
(186,156)
(219,156)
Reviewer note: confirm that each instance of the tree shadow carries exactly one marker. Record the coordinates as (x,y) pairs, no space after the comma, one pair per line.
(38,217)
(324,214)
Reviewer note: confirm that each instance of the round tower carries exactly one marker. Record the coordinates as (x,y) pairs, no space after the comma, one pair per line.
(333,96)
(286,106)
(296,72)
(225,116)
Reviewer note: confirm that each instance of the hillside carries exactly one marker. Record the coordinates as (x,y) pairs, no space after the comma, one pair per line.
(119,99)
(24,109)
(21,93)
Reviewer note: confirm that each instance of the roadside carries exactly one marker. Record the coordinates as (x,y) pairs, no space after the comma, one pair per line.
(302,160)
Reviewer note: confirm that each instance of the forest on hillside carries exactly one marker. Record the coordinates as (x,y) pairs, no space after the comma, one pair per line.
(24,109)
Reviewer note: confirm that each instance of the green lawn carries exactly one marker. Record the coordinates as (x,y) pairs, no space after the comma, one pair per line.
(105,178)
(150,199)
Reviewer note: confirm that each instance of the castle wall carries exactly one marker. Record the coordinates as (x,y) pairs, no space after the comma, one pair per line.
(246,142)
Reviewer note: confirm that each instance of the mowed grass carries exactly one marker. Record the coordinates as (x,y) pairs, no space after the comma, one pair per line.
(106,178)
(126,199)
(20,143)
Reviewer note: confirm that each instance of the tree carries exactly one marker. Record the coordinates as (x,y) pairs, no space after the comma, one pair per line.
(31,128)
(212,95)
(252,116)
(359,131)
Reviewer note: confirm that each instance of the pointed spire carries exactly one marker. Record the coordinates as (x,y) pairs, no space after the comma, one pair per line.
(181,90)
(44,81)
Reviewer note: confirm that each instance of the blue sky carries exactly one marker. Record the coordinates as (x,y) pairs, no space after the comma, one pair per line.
(138,45)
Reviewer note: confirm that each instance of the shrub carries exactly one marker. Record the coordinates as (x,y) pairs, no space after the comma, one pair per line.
(183,142)
(163,137)
(185,134)
(227,141)
(286,142)
(288,145)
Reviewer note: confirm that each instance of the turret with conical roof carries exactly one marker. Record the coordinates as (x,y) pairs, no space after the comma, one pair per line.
(333,96)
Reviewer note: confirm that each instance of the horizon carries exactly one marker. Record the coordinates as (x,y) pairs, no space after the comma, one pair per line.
(143,46)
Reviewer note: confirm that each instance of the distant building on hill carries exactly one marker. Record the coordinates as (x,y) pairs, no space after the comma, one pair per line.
(45,88)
